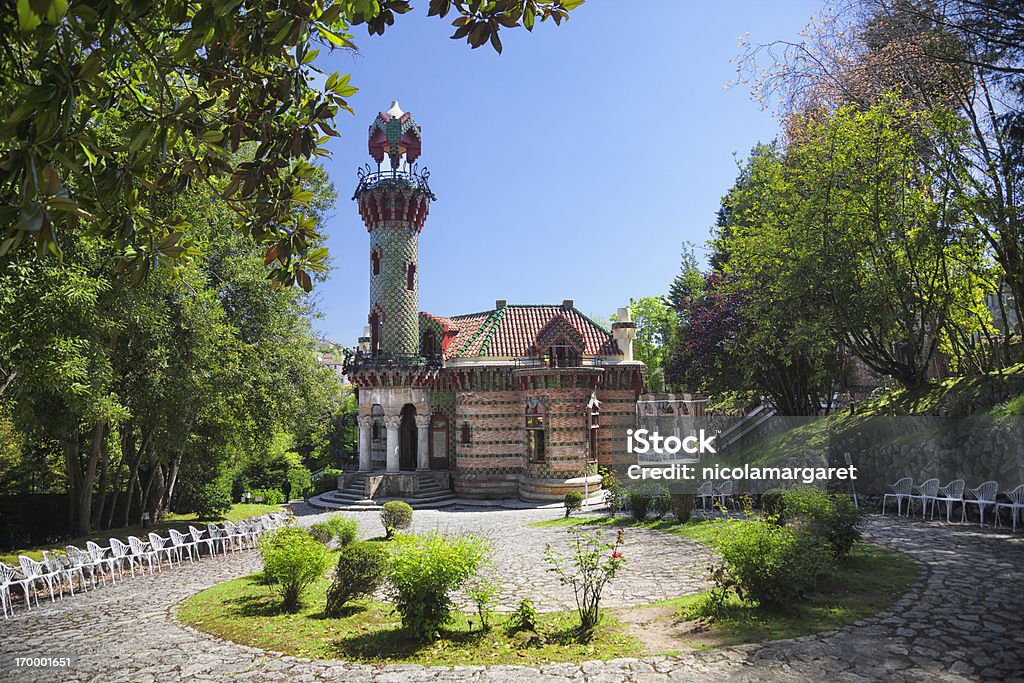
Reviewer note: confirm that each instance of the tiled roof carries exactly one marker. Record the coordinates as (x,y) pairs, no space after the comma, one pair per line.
(510,332)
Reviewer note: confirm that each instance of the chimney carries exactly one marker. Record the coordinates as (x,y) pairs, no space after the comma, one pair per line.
(624,330)
(500,303)
(567,304)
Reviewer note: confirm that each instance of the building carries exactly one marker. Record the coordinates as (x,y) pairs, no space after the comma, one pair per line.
(520,400)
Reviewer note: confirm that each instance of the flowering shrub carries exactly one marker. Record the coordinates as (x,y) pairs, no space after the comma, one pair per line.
(593,563)
(361,570)
(292,560)
(395,516)
(424,571)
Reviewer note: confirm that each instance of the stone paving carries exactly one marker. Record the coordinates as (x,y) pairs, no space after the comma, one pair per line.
(963,621)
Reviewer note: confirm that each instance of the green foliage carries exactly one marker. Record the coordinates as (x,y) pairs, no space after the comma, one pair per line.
(268,496)
(292,560)
(655,330)
(300,480)
(661,502)
(594,562)
(639,498)
(424,571)
(682,506)
(573,502)
(525,617)
(771,503)
(482,589)
(361,570)
(344,529)
(326,481)
(831,517)
(395,516)
(767,563)
(1012,408)
(209,499)
(321,532)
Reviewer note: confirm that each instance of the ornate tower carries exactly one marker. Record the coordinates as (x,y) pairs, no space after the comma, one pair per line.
(393,203)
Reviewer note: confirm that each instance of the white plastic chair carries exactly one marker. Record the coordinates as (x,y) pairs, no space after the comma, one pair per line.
(99,557)
(158,544)
(984,496)
(179,542)
(951,494)
(35,572)
(9,577)
(56,566)
(1015,504)
(197,538)
(81,562)
(233,534)
(122,552)
(927,492)
(900,491)
(220,536)
(724,493)
(706,492)
(144,551)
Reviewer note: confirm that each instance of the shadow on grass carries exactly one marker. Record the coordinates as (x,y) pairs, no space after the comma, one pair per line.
(254,606)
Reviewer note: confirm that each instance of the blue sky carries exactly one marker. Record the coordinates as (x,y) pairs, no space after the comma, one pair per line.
(572,166)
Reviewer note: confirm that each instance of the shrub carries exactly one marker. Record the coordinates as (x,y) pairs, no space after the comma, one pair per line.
(326,481)
(209,499)
(321,532)
(768,564)
(592,565)
(771,502)
(638,498)
(292,561)
(361,570)
(395,516)
(424,571)
(661,502)
(344,529)
(482,589)
(301,481)
(269,496)
(682,506)
(573,502)
(831,517)
(524,618)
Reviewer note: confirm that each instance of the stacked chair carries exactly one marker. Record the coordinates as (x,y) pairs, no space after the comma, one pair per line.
(78,569)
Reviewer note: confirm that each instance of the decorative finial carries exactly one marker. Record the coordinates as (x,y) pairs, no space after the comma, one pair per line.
(394,134)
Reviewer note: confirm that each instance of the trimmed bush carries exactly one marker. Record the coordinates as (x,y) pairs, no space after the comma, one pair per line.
(424,571)
(829,516)
(661,502)
(395,516)
(361,570)
(321,532)
(292,561)
(573,502)
(771,502)
(682,506)
(638,499)
(768,564)
(301,481)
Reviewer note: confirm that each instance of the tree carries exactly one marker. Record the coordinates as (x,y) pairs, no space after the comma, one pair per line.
(655,328)
(108,106)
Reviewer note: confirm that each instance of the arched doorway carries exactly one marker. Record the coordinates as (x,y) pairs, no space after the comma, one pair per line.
(407,438)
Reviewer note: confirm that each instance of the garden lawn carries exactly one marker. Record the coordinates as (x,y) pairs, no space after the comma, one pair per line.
(237,512)
(245,611)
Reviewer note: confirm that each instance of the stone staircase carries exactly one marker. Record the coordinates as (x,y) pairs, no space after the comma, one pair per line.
(429,494)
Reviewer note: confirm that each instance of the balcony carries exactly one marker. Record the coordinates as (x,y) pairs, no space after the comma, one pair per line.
(362,362)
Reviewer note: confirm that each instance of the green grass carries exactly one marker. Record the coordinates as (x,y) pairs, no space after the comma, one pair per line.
(868,581)
(238,512)
(702,531)
(245,611)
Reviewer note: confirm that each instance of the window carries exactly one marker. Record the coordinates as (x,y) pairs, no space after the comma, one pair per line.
(410,272)
(562,355)
(465,433)
(595,424)
(535,430)
(376,332)
(429,344)
(375,262)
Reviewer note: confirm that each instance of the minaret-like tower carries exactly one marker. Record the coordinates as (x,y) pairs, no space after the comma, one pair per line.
(393,203)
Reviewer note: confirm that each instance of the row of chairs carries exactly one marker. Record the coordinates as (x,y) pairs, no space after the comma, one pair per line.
(719,495)
(58,570)
(929,492)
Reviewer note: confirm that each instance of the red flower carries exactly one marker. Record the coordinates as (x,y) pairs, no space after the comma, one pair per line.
(617,556)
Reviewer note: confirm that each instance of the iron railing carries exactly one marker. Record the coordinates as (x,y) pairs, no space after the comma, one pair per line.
(410,177)
(585,362)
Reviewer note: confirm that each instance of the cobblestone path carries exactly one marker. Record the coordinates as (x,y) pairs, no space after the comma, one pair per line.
(964,620)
